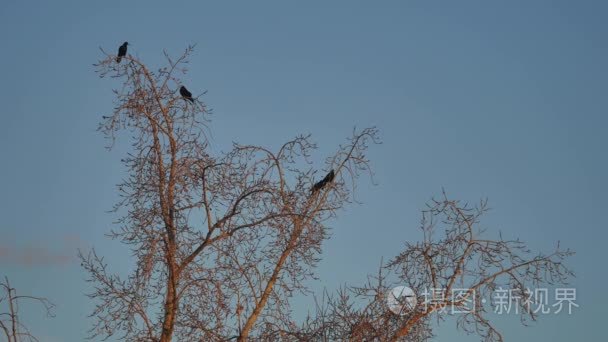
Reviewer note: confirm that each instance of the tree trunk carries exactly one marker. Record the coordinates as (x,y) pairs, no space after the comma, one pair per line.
(171,306)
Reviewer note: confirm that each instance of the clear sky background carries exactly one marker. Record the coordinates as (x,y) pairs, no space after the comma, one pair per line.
(498,99)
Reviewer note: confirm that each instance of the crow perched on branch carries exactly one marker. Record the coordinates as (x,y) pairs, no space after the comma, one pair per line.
(122,51)
(186,94)
(323,182)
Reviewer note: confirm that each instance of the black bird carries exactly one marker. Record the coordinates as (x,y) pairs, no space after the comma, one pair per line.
(323,182)
(330,177)
(122,51)
(186,94)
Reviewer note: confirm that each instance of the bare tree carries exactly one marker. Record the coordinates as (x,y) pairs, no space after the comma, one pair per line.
(454,254)
(220,241)
(12,327)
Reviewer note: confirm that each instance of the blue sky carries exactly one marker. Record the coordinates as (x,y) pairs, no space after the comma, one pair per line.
(504,100)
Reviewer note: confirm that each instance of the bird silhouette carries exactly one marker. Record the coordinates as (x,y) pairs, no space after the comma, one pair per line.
(186,94)
(122,51)
(323,182)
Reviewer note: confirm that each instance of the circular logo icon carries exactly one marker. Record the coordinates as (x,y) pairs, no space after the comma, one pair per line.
(401,300)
